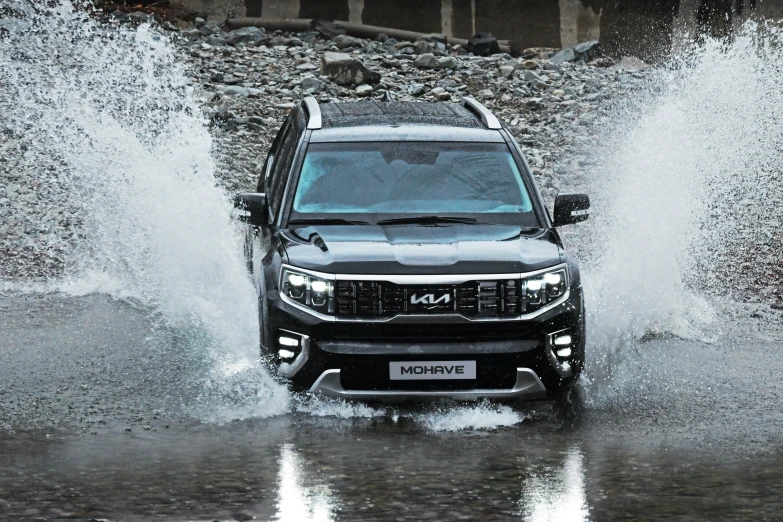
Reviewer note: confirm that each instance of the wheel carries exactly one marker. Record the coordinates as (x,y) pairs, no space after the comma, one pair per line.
(570,402)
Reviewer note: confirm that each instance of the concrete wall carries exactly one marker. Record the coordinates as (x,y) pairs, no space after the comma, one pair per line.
(644,28)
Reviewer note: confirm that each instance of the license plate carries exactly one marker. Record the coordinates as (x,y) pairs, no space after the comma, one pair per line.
(429,370)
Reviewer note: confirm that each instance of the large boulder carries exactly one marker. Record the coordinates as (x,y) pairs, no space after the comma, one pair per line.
(483,44)
(343,69)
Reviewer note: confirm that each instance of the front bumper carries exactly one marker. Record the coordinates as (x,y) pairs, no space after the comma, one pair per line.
(527,386)
(351,360)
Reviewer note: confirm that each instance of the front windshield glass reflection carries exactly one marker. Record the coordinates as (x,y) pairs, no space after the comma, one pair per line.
(392,179)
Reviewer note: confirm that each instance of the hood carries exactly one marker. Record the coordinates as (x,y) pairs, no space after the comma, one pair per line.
(416,249)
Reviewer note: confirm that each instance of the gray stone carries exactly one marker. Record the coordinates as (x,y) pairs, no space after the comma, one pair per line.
(430,61)
(247,35)
(483,44)
(344,41)
(441,93)
(446,62)
(426,61)
(565,55)
(506,71)
(235,90)
(423,47)
(588,50)
(416,90)
(211,28)
(435,38)
(364,90)
(312,84)
(343,69)
(327,29)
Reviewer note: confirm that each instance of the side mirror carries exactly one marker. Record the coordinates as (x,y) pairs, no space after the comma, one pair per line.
(571,208)
(252,208)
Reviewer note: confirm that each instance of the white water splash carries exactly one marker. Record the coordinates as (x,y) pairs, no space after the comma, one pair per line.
(687,181)
(480,416)
(109,117)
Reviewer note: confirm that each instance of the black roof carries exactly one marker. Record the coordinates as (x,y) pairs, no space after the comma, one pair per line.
(373,112)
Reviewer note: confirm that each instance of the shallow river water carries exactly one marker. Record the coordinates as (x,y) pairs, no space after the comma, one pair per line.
(689,430)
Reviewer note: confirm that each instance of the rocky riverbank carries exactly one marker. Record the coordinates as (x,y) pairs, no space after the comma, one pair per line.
(551,101)
(556,103)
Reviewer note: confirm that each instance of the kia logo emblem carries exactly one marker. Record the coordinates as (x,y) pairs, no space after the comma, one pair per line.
(430,299)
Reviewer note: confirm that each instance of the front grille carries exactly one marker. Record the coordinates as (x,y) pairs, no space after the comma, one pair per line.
(475,298)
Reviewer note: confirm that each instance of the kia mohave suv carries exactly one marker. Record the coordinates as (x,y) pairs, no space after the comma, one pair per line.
(402,250)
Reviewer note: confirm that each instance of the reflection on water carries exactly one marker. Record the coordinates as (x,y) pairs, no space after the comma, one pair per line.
(556,494)
(300,496)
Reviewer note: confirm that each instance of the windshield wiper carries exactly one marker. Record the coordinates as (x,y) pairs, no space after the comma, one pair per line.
(426,220)
(327,221)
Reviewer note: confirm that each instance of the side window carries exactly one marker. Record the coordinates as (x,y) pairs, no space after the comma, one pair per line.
(265,179)
(280,171)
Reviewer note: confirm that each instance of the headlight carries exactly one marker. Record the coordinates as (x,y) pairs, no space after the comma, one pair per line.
(543,288)
(310,291)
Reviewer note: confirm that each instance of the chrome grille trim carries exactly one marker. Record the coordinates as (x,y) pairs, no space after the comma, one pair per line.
(424,279)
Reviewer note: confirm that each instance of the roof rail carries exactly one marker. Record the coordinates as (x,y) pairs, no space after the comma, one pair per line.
(313,113)
(487,118)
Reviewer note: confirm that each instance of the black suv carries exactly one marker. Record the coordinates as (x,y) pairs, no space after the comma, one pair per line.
(402,250)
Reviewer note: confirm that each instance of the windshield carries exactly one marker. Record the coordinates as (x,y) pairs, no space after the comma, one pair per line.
(386,180)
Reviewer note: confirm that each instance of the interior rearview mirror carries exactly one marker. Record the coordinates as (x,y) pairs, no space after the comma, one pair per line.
(571,208)
(252,208)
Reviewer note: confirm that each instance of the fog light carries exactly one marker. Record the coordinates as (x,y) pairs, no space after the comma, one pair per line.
(564,353)
(563,340)
(286,354)
(288,341)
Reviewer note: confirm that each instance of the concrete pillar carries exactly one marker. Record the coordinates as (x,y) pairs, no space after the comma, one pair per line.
(684,27)
(280,9)
(472,17)
(355,9)
(578,23)
(446,17)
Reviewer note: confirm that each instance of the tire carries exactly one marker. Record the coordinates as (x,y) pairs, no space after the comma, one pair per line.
(570,403)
